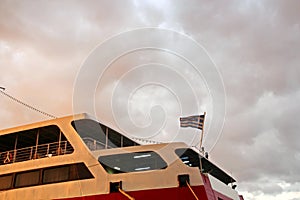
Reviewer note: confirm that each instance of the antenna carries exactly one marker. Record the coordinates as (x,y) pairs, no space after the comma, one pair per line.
(24,104)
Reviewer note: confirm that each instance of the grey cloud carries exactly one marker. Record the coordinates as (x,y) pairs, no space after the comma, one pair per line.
(254,43)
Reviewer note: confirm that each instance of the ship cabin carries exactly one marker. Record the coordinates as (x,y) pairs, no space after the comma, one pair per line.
(76,157)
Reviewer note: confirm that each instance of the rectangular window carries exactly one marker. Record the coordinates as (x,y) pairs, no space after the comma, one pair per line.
(57,174)
(27,178)
(132,162)
(66,173)
(6,181)
(48,175)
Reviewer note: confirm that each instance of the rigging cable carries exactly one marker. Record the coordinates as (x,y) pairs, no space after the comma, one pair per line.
(25,104)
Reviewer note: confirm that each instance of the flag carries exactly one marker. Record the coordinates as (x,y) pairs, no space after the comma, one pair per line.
(196,121)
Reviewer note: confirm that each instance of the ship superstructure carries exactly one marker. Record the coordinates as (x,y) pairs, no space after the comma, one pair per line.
(76,157)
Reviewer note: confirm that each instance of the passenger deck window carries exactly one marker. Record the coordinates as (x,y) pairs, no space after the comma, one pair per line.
(132,162)
(57,174)
(66,173)
(43,176)
(27,178)
(6,181)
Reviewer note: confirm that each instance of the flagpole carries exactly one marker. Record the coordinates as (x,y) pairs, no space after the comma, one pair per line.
(201,137)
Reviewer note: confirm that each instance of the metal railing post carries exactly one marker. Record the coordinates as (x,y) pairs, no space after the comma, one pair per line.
(15,155)
(30,157)
(48,147)
(65,147)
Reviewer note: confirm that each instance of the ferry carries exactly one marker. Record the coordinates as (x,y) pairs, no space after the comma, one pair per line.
(78,158)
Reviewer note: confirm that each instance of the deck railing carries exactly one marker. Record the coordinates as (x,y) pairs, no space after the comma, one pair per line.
(94,145)
(36,152)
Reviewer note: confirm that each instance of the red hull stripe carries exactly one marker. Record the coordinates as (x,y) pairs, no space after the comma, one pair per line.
(179,193)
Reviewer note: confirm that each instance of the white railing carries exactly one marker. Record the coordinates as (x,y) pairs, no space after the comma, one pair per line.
(35,152)
(94,145)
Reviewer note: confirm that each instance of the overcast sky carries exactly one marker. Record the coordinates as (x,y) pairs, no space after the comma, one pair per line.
(46,59)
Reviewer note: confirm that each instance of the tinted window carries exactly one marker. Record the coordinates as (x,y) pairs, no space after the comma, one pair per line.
(132,162)
(58,174)
(5,181)
(27,178)
(188,157)
(66,173)
(97,136)
(42,176)
(80,171)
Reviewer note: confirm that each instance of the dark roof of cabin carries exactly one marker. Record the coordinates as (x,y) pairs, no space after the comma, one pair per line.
(205,165)
(212,169)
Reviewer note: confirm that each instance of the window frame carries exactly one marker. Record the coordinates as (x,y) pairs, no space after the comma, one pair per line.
(11,181)
(80,172)
(24,173)
(121,163)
